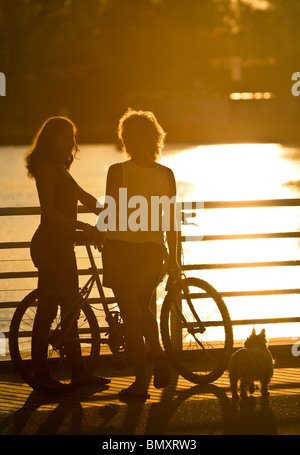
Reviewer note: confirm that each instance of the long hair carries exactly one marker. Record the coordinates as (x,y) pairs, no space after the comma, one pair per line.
(141,134)
(43,147)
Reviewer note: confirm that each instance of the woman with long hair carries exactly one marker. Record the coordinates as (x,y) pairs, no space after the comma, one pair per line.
(133,258)
(52,245)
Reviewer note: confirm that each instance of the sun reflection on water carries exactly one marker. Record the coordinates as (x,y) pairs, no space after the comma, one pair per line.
(243,172)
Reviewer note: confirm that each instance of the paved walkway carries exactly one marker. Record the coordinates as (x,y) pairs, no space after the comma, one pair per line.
(180,409)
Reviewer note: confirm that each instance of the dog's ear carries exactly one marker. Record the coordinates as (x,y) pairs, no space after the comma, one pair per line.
(253,331)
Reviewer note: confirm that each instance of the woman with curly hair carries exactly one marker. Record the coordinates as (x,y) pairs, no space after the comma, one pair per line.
(132,259)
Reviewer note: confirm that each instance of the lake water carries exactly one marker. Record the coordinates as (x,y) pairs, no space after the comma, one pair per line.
(203,173)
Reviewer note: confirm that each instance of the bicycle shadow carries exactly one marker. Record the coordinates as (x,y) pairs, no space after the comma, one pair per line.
(163,417)
(182,411)
(196,411)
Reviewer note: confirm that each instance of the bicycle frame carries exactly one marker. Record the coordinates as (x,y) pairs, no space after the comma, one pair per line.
(85,292)
(96,279)
(109,317)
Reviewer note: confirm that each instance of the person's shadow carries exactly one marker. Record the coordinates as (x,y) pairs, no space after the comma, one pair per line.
(199,416)
(67,416)
(49,421)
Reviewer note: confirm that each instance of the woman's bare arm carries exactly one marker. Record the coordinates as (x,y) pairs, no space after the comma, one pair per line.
(113,183)
(172,234)
(89,201)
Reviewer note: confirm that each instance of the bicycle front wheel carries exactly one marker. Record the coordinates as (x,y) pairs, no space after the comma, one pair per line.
(196,330)
(57,360)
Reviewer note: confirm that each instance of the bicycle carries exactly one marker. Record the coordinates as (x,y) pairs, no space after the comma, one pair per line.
(195,328)
(88,334)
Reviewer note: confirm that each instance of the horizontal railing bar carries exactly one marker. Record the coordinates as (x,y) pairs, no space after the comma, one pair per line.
(187,267)
(111,300)
(34,274)
(267,235)
(92,301)
(292,202)
(266,321)
(15,211)
(261,292)
(18,211)
(194,238)
(7,305)
(7,275)
(236,265)
(27,333)
(204,295)
(14,245)
(195,325)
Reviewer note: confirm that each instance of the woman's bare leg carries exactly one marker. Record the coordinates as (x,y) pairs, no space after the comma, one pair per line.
(151,333)
(132,318)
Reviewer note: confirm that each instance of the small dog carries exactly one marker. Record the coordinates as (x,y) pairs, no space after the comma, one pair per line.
(253,362)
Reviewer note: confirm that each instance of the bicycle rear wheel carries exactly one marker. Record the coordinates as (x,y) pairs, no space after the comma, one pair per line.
(196,330)
(59,368)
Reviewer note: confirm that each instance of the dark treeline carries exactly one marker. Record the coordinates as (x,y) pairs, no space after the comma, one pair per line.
(92,59)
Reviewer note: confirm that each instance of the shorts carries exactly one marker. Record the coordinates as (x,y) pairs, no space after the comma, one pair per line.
(50,250)
(132,265)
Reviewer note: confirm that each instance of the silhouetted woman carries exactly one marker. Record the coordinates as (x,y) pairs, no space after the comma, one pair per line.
(132,259)
(52,246)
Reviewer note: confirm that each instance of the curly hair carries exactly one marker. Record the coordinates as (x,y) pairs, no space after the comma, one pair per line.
(141,134)
(43,146)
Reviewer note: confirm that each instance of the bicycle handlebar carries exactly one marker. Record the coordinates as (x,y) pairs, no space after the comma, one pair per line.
(82,237)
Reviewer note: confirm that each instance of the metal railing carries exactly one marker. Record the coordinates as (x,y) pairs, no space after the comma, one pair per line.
(295,202)
(27,211)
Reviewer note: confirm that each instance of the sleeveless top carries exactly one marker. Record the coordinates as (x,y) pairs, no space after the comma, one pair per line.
(52,245)
(146,182)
